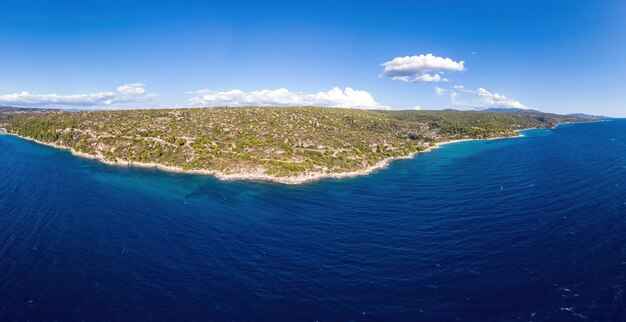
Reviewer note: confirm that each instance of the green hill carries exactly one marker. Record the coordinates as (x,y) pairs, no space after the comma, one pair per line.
(271,142)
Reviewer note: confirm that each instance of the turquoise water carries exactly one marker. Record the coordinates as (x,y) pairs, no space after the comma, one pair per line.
(529,228)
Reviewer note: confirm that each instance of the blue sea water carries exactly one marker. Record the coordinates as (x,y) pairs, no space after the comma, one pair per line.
(532,228)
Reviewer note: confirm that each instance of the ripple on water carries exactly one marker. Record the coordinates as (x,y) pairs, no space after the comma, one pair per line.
(527,228)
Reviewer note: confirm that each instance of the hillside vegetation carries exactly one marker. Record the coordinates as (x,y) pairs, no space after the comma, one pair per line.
(269,141)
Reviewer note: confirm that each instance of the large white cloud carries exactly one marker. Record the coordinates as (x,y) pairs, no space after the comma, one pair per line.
(420,64)
(483,98)
(125,94)
(336,97)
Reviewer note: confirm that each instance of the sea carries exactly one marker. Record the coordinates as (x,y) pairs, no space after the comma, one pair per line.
(530,228)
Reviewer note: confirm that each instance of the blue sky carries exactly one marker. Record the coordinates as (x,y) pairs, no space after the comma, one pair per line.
(556,56)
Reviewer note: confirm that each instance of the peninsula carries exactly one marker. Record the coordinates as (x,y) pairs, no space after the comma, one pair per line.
(281,144)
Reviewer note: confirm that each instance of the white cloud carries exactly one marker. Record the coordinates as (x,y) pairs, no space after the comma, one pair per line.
(132,89)
(439,91)
(421,64)
(417,107)
(400,79)
(125,94)
(427,78)
(348,98)
(484,99)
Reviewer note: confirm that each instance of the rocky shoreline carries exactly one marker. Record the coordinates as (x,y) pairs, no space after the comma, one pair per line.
(253,176)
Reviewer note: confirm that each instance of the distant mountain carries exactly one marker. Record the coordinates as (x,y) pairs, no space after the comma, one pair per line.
(527,113)
(11,109)
(537,113)
(510,110)
(589,116)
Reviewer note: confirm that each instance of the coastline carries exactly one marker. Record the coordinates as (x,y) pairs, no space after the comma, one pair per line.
(258,176)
